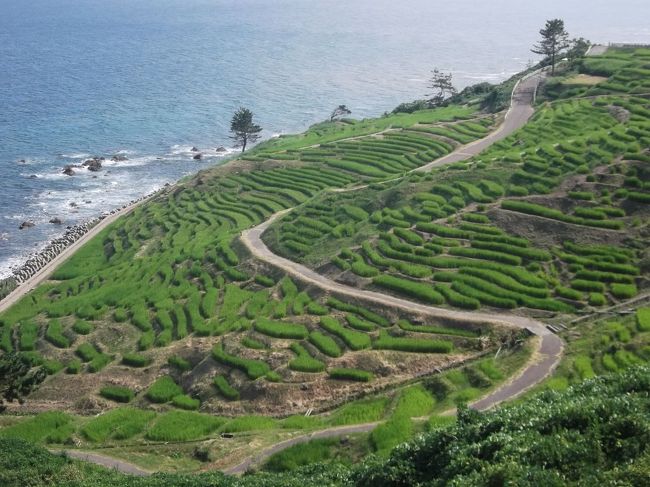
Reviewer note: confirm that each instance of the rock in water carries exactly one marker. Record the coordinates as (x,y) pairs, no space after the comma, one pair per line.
(221,149)
(68,171)
(197,157)
(94,164)
(26,224)
(119,158)
(194,149)
(56,221)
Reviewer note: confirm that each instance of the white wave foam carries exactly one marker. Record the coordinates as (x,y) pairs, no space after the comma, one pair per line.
(77,155)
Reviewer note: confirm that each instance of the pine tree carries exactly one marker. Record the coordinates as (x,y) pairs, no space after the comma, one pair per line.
(554,39)
(243,129)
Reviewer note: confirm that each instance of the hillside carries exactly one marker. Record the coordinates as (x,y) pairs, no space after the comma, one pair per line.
(597,432)
(365,272)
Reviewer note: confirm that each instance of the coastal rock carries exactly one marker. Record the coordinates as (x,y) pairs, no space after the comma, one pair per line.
(33,176)
(94,164)
(68,170)
(197,157)
(194,149)
(119,158)
(26,224)
(22,161)
(56,221)
(221,149)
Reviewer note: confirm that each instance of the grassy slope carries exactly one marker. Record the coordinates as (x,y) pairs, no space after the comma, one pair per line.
(164,244)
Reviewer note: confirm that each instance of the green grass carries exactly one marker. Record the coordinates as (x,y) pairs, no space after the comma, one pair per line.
(49,427)
(117,424)
(183,426)
(117,393)
(225,389)
(163,390)
(350,374)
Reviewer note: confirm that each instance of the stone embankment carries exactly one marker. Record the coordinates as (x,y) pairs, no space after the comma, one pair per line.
(55,247)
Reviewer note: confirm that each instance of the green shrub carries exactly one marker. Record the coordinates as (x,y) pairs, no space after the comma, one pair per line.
(568,293)
(225,389)
(353,339)
(350,374)
(305,362)
(279,329)
(135,360)
(54,335)
(179,363)
(597,299)
(252,343)
(421,291)
(82,327)
(183,401)
(643,319)
(163,390)
(624,291)
(582,366)
(325,344)
(593,286)
(117,393)
(120,315)
(253,368)
(73,367)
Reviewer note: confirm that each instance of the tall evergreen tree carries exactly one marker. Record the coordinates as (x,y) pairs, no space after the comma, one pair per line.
(243,129)
(442,87)
(555,38)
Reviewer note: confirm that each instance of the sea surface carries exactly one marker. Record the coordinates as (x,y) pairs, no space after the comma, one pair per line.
(150,79)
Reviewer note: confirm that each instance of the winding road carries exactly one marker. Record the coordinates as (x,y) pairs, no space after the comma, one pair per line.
(549,347)
(545,358)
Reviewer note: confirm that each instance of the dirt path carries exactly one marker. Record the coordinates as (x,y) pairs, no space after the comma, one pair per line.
(104,461)
(45,272)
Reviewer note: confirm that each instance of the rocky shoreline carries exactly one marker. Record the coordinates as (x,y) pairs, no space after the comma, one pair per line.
(40,259)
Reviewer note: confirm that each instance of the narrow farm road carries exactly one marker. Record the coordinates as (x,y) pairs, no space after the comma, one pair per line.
(544,360)
(104,461)
(549,346)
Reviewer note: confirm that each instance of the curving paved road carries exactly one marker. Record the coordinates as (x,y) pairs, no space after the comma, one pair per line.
(549,346)
(545,358)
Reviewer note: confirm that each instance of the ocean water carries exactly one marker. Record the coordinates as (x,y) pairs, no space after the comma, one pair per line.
(149,79)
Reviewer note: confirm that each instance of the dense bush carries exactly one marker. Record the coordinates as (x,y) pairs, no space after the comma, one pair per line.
(325,344)
(417,290)
(353,339)
(163,390)
(183,401)
(279,329)
(117,393)
(350,374)
(253,368)
(225,389)
(303,361)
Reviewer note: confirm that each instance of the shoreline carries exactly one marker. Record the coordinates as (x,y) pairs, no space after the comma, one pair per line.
(39,267)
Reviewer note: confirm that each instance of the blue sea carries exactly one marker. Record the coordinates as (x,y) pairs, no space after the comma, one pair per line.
(149,79)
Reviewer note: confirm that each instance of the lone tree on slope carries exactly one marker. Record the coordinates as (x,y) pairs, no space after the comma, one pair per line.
(243,129)
(339,112)
(442,88)
(555,38)
(17,378)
